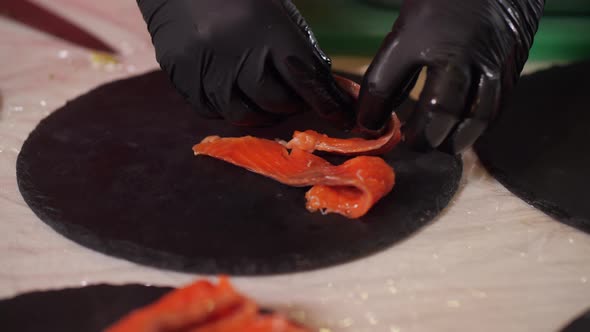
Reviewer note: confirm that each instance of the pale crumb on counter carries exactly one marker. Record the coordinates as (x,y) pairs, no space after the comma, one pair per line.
(102,59)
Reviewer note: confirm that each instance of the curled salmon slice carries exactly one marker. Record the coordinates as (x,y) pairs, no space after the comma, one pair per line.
(350,189)
(311,140)
(203,307)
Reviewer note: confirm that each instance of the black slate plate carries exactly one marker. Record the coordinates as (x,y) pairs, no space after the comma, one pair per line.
(580,324)
(113,170)
(87,309)
(539,147)
(94,308)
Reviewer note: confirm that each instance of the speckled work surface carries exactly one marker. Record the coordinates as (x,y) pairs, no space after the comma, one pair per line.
(489,263)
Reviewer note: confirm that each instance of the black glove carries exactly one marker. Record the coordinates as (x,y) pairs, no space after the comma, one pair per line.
(250,61)
(474,51)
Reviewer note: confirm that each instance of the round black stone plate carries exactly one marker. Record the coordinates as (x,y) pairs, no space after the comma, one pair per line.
(539,147)
(580,324)
(114,171)
(86,309)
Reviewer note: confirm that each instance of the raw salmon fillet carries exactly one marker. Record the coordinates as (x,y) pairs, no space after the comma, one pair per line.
(203,307)
(311,141)
(350,189)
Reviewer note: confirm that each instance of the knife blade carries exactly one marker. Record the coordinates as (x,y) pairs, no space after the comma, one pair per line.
(42,19)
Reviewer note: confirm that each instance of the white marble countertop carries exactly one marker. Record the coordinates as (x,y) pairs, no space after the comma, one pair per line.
(489,263)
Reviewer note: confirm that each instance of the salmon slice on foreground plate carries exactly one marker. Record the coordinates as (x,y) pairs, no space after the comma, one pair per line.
(203,307)
(349,189)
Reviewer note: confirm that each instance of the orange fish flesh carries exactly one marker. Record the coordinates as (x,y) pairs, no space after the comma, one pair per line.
(349,189)
(203,307)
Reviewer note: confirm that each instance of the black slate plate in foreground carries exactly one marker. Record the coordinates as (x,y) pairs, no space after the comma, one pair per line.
(94,308)
(580,324)
(87,309)
(114,170)
(539,147)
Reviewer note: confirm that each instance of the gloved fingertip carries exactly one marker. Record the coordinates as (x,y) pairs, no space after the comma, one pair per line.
(428,130)
(316,86)
(373,113)
(439,127)
(464,136)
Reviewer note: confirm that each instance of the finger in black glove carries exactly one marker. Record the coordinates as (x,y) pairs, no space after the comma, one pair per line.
(249,61)
(474,52)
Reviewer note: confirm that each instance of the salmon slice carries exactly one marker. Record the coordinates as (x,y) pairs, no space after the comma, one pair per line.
(311,141)
(350,189)
(203,307)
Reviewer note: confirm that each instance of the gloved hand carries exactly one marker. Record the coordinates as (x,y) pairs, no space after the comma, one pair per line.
(474,51)
(249,61)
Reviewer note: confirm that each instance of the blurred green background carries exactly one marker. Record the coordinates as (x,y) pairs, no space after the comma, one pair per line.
(357,27)
(574,7)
